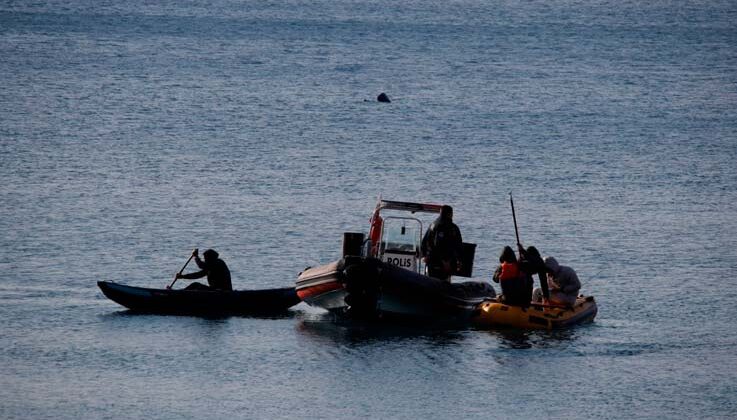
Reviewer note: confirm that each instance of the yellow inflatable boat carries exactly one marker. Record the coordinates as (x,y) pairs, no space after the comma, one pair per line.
(493,313)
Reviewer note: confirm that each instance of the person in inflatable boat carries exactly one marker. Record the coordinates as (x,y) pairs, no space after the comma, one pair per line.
(532,263)
(516,284)
(218,275)
(563,284)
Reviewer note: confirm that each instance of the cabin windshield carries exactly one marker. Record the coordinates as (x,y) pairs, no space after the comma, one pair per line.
(401,239)
(400,242)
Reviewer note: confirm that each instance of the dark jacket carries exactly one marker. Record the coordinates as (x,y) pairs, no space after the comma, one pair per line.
(532,263)
(442,242)
(218,275)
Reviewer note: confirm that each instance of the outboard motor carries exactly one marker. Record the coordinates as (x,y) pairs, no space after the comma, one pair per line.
(362,278)
(352,243)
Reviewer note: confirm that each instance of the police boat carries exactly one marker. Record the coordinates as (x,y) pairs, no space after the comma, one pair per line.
(381,274)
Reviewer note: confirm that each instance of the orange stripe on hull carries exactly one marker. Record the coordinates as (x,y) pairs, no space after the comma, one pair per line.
(318,290)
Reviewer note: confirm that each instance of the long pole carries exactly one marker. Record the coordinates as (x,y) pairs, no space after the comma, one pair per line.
(516,230)
(541,274)
(182,270)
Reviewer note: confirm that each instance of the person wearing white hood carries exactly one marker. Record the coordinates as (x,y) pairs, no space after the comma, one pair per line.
(562,282)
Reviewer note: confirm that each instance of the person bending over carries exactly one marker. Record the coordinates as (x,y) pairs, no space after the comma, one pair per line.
(562,282)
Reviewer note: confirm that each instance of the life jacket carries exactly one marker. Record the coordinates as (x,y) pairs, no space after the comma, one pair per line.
(510,271)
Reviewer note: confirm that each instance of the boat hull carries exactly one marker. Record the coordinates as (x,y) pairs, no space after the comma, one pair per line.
(368,287)
(323,286)
(494,314)
(200,302)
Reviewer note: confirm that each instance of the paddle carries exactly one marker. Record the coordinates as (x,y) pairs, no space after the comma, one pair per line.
(194,252)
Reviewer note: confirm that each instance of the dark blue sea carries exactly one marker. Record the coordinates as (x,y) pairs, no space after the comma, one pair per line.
(134,131)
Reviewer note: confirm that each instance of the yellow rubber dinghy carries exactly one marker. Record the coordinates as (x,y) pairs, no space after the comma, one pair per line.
(536,316)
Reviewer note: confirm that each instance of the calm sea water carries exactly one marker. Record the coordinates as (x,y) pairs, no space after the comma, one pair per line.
(132,132)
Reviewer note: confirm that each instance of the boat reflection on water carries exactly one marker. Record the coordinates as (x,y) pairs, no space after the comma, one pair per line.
(288,314)
(328,328)
(335,334)
(532,339)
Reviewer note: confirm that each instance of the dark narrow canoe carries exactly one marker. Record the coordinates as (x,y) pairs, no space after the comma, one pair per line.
(199,302)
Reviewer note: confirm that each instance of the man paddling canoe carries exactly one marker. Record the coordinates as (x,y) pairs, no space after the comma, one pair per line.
(218,275)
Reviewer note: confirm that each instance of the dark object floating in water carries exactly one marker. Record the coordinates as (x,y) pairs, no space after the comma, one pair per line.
(383,97)
(200,302)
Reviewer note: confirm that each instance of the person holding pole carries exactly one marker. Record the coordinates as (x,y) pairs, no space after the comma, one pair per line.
(217,272)
(531,263)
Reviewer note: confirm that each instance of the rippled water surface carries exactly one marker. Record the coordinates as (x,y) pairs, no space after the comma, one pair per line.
(132,132)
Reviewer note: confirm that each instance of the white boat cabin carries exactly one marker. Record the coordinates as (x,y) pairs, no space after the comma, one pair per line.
(396,233)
